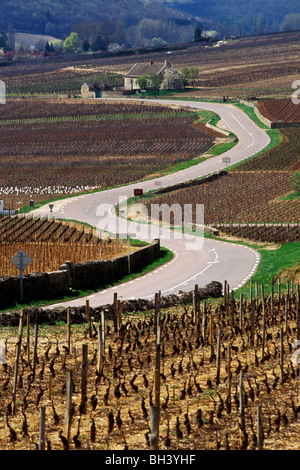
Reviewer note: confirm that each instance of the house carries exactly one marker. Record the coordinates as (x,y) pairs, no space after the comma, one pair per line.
(130,79)
(92,90)
(9,55)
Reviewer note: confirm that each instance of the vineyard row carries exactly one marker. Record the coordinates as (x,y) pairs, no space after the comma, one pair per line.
(204,370)
(50,244)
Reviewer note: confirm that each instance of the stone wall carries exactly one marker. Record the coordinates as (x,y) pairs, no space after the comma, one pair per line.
(78,314)
(79,276)
(272,125)
(195,182)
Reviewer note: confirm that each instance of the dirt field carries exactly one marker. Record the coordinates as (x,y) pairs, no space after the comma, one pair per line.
(66,147)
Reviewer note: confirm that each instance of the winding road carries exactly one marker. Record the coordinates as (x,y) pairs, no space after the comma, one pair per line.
(196,260)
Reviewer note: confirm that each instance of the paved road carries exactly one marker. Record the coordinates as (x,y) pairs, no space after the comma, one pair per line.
(196,260)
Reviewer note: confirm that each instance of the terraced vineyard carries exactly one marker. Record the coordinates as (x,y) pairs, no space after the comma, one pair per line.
(283,109)
(239,197)
(71,145)
(51,243)
(269,233)
(250,201)
(284,156)
(61,81)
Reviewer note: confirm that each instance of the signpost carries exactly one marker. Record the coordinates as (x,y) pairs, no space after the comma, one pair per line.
(226,160)
(21,260)
(51,209)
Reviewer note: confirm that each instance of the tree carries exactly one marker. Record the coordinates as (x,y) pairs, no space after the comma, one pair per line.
(71,44)
(172,80)
(197,34)
(158,42)
(47,47)
(260,26)
(291,21)
(99,44)
(120,33)
(154,81)
(4,41)
(142,82)
(149,82)
(85,45)
(190,74)
(295,179)
(57,45)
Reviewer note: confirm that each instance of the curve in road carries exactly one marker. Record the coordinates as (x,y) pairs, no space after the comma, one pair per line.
(196,260)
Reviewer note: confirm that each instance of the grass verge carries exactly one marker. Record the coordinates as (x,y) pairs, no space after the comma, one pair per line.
(282,262)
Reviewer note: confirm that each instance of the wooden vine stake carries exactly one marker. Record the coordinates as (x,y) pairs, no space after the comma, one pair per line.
(157,359)
(203,320)
(263,299)
(263,336)
(69,328)
(232,307)
(103,332)
(101,345)
(154,428)
(241,312)
(252,322)
(218,361)
(28,340)
(99,353)
(42,429)
(272,297)
(281,352)
(211,330)
(196,304)
(119,311)
(84,371)
(243,434)
(225,295)
(35,358)
(18,350)
(241,402)
(229,376)
(88,317)
(155,410)
(115,319)
(68,412)
(260,433)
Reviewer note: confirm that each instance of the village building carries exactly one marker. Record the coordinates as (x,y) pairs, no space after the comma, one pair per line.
(139,69)
(101,90)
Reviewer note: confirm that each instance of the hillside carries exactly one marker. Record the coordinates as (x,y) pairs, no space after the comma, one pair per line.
(242,16)
(138,22)
(57,17)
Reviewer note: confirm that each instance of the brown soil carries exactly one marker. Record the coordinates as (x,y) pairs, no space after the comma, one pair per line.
(194,406)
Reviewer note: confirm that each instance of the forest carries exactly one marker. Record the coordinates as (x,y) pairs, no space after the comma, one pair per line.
(142,23)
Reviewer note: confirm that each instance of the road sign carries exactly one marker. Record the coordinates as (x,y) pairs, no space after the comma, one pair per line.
(138,192)
(226,160)
(21,260)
